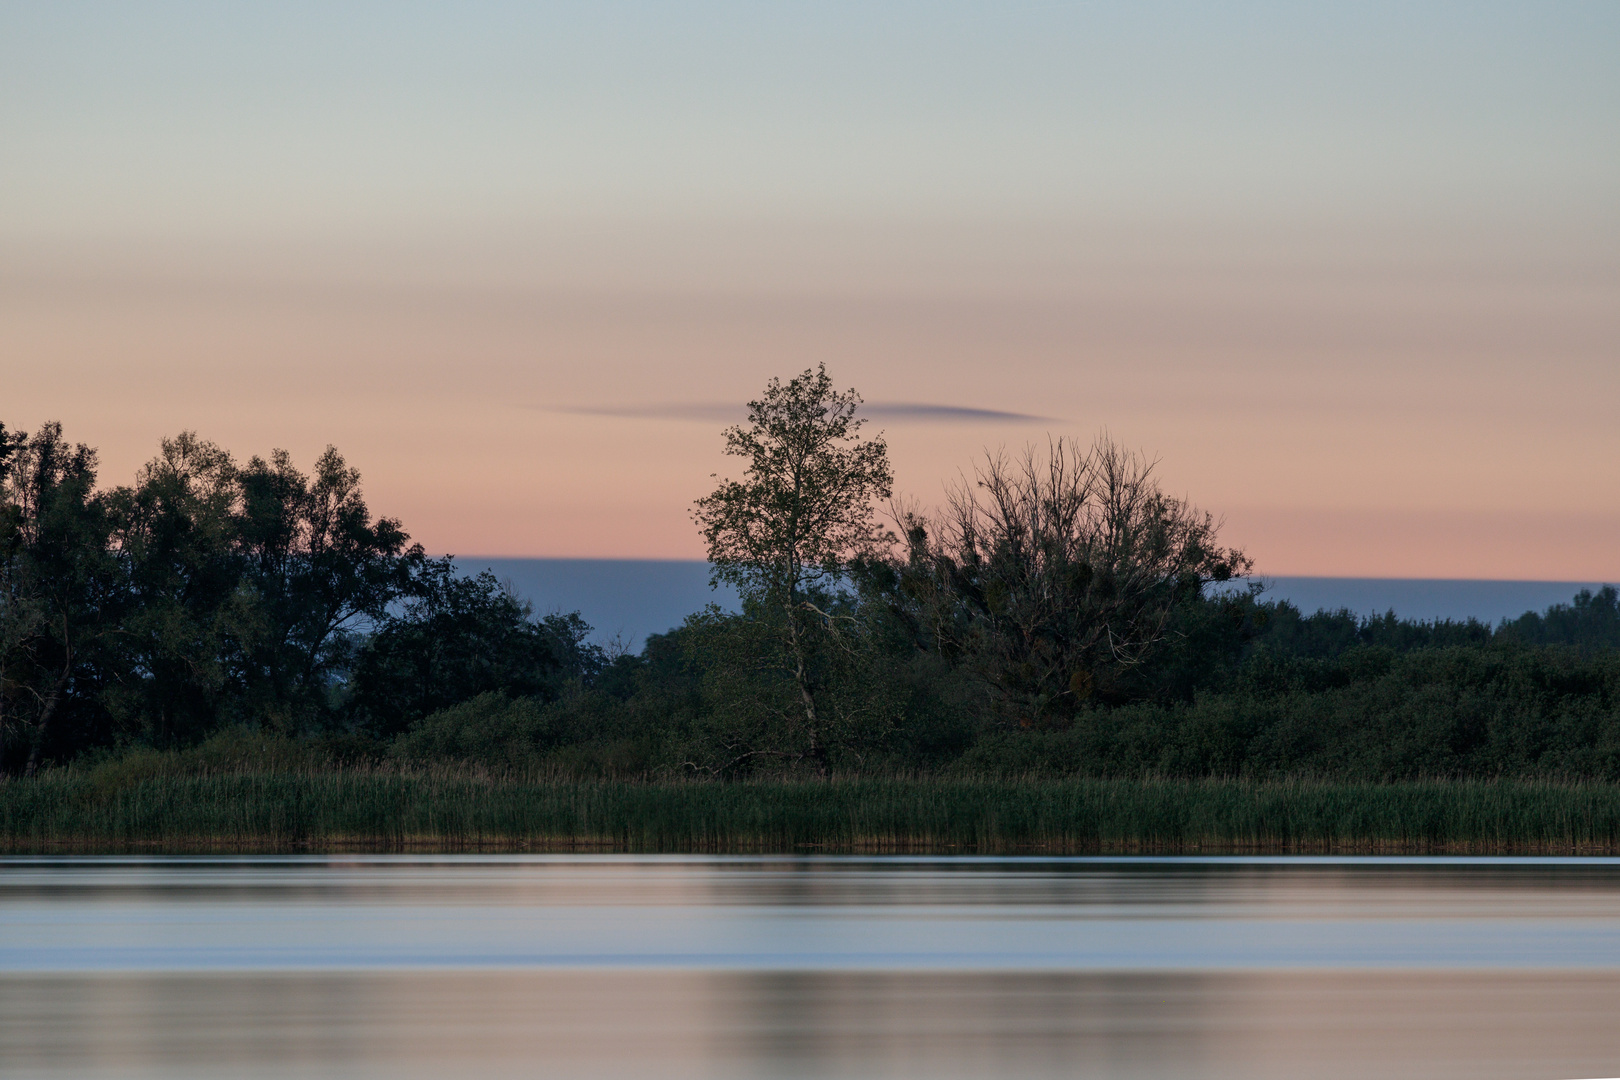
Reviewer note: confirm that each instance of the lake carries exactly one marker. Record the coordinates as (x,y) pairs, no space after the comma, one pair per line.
(641,966)
(631,598)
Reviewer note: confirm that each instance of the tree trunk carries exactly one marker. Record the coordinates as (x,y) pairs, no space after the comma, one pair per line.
(801,675)
(48,708)
(45,713)
(5,731)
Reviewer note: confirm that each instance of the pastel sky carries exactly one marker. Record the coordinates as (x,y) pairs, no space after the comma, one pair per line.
(1352,271)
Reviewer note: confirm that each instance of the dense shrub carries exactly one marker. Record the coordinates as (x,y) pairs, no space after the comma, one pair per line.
(490,729)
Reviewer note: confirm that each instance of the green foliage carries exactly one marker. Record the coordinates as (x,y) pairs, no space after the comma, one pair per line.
(457,637)
(1067,623)
(753,720)
(1368,714)
(786,536)
(450,808)
(806,504)
(491,729)
(228,752)
(189,616)
(209,595)
(319,574)
(59,607)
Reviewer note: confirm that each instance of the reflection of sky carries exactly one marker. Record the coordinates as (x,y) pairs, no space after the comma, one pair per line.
(515,966)
(1348,269)
(794,915)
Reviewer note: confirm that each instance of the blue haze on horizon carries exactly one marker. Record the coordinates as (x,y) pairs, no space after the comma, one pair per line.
(631,598)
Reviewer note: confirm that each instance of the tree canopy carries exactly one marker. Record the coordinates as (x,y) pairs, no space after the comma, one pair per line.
(807,504)
(209,593)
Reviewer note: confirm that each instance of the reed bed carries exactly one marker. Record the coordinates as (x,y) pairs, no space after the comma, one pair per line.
(385,810)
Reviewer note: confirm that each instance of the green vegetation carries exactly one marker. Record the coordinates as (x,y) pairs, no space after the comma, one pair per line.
(786,537)
(1062,657)
(210,594)
(237,792)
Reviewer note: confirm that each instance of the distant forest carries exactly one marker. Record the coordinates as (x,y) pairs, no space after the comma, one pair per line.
(1060,616)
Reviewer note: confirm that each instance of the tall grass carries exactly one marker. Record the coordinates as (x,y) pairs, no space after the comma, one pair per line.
(395,810)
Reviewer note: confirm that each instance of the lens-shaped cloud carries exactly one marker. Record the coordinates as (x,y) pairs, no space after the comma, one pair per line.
(895,411)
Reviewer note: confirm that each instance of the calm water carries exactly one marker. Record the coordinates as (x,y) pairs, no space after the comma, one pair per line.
(817,967)
(636,597)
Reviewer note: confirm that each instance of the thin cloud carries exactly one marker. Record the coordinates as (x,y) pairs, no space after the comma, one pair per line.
(898,411)
(957,414)
(690,411)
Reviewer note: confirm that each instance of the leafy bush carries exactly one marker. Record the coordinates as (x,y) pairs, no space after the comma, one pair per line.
(491,729)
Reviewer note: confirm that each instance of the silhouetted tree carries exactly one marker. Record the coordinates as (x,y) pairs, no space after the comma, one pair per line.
(1591,620)
(786,534)
(1051,573)
(321,573)
(458,636)
(174,533)
(58,602)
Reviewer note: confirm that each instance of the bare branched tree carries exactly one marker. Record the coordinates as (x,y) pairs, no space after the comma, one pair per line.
(1049,572)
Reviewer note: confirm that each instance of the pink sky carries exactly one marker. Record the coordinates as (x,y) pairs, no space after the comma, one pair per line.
(1351,276)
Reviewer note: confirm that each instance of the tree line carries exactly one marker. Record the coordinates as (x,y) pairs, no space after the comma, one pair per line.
(211,593)
(1060,613)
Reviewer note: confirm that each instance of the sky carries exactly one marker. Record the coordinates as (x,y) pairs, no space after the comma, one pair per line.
(1350,272)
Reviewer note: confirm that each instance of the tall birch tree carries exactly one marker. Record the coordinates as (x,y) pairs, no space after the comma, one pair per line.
(786,533)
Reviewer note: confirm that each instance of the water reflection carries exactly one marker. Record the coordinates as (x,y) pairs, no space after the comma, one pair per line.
(813,1024)
(808,968)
